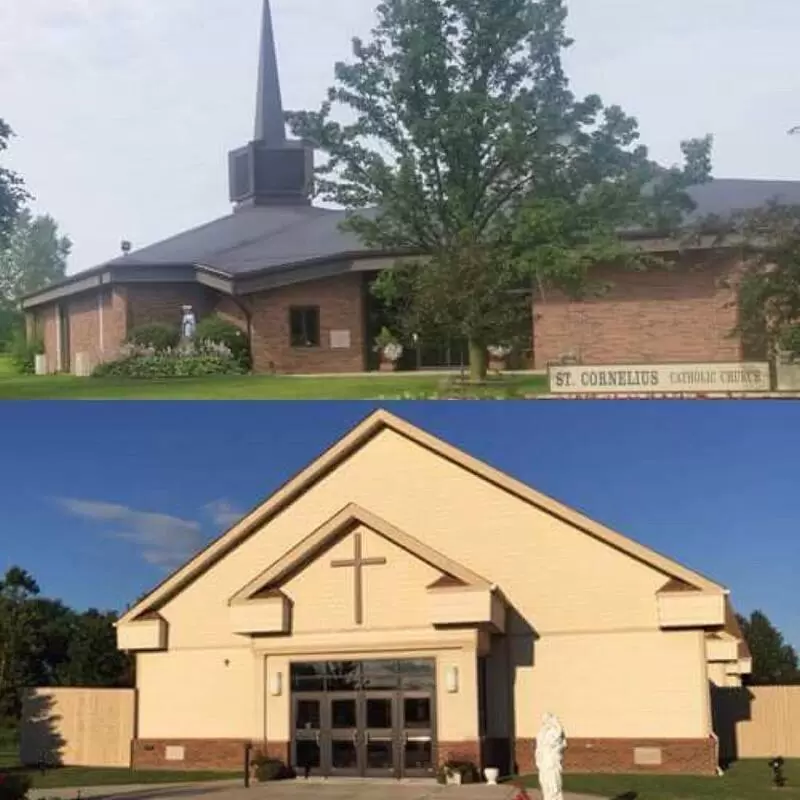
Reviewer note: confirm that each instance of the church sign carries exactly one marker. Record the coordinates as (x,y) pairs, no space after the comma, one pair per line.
(647,379)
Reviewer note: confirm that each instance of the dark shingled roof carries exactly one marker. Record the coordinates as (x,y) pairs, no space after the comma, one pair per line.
(264,237)
(728,196)
(252,239)
(273,238)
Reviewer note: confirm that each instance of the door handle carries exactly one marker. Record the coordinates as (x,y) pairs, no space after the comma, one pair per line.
(317,736)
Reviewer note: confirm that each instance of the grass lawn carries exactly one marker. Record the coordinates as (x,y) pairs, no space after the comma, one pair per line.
(66,777)
(6,370)
(746,780)
(83,777)
(262,387)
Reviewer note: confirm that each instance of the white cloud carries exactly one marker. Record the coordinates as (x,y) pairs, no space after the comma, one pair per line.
(162,540)
(223,513)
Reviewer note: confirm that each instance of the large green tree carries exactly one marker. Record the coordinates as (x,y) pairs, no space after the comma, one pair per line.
(775,662)
(43,642)
(768,281)
(35,256)
(461,136)
(12,193)
(17,588)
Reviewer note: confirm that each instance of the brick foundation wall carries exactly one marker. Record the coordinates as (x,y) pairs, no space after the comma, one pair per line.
(282,751)
(679,756)
(459,751)
(341,304)
(645,317)
(211,754)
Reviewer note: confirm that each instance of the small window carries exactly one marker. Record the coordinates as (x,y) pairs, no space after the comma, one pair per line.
(304,326)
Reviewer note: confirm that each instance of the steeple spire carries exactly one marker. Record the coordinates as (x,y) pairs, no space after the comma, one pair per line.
(271,170)
(270,126)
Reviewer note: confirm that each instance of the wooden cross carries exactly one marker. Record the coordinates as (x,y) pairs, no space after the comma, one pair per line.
(358,562)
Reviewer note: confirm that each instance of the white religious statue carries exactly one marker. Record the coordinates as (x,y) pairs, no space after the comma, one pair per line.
(551,742)
(188,324)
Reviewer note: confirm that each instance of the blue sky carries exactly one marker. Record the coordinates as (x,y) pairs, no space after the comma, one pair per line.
(100,500)
(125,109)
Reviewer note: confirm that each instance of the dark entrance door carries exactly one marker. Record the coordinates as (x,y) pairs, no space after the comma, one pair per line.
(369,732)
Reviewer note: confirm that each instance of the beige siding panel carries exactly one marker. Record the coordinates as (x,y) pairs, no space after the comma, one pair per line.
(691,609)
(199,693)
(534,558)
(394,594)
(763,721)
(78,727)
(626,685)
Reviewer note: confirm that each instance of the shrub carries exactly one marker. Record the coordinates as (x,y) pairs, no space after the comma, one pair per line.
(14,786)
(219,331)
(157,335)
(193,362)
(24,352)
(790,340)
(270,769)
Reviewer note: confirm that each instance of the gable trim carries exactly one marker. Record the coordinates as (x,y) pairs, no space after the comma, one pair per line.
(374,424)
(352,514)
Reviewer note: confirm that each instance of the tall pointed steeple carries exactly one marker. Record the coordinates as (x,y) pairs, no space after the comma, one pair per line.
(270,126)
(270,170)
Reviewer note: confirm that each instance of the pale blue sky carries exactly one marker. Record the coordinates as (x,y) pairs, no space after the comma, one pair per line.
(125,109)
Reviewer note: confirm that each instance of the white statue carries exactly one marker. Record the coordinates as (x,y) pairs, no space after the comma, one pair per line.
(550,745)
(188,324)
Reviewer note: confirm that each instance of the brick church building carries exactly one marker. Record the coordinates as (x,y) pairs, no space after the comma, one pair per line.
(282,269)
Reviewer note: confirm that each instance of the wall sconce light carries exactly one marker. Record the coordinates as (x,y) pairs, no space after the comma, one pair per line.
(451,679)
(276,684)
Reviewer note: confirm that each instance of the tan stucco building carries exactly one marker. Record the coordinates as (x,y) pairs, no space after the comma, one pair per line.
(399,603)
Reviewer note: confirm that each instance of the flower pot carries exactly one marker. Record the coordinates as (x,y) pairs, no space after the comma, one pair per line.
(491,774)
(388,366)
(454,779)
(497,364)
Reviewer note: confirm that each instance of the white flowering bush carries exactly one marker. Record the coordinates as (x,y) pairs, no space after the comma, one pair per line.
(187,361)
(392,351)
(499,352)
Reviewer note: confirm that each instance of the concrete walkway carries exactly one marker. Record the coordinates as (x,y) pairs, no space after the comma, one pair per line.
(339,789)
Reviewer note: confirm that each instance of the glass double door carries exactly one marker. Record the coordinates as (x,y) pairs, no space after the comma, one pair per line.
(369,734)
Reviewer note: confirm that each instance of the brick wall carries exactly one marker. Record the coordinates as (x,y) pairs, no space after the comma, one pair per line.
(162,302)
(85,317)
(678,756)
(341,303)
(97,326)
(211,754)
(646,317)
(45,325)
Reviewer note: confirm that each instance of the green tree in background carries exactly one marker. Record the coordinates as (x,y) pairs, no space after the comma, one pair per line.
(43,642)
(17,588)
(35,257)
(768,284)
(466,143)
(774,661)
(12,193)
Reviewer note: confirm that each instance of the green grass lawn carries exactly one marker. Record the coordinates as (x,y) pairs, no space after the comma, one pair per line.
(262,387)
(67,777)
(746,780)
(6,370)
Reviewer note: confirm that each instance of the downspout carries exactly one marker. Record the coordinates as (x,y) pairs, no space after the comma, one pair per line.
(243,306)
